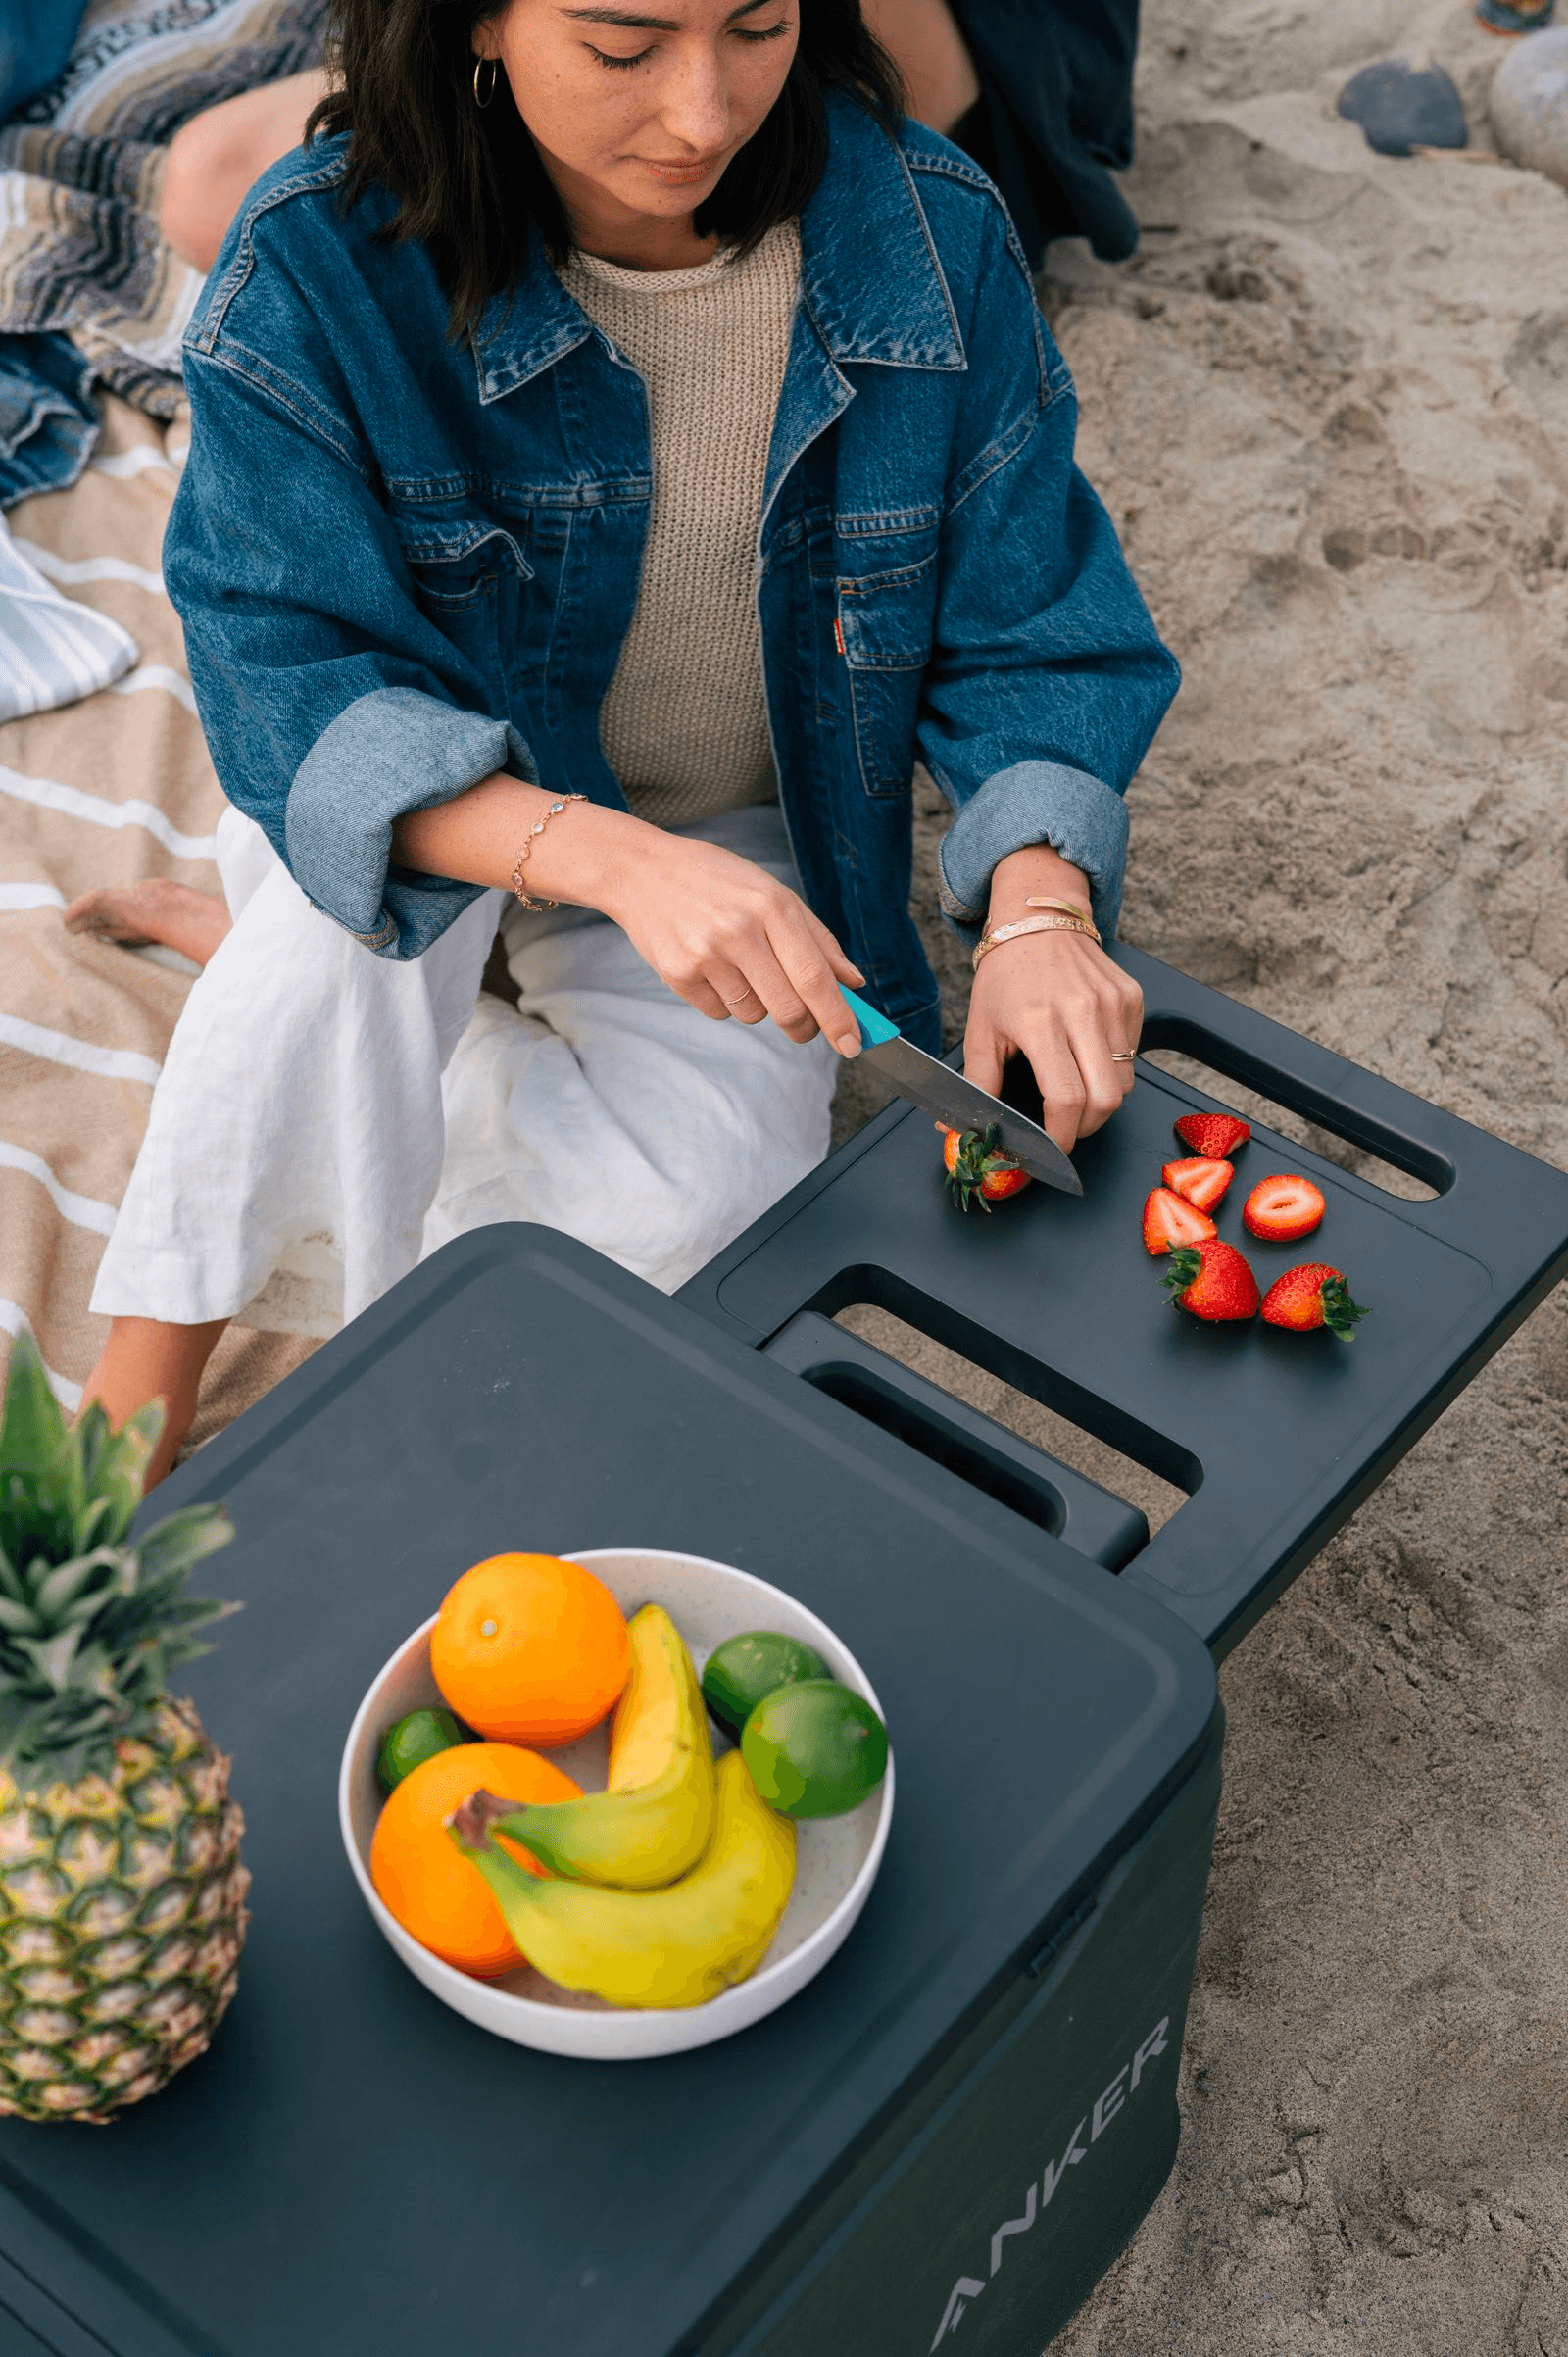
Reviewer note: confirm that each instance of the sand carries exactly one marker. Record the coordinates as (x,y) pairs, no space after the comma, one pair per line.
(1328,407)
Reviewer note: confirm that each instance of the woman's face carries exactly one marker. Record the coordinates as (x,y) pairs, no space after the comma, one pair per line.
(638,107)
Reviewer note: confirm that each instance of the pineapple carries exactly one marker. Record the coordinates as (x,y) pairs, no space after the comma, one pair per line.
(121,1895)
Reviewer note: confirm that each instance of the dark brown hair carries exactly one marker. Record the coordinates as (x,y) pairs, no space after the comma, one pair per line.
(470,181)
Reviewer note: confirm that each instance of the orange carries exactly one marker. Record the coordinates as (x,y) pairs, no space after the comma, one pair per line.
(530,1650)
(419,1871)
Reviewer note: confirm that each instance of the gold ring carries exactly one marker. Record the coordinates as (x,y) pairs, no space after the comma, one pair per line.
(1125,1057)
(747,993)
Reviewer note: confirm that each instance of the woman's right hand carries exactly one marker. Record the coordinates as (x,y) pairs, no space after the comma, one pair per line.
(731,940)
(725,934)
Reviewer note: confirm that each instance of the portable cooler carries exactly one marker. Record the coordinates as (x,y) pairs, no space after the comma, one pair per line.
(944,2140)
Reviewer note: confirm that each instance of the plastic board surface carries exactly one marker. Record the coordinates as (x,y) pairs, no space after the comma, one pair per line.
(353,2168)
(1276,1437)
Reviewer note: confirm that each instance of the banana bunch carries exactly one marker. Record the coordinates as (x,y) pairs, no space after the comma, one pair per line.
(671,1882)
(653,1821)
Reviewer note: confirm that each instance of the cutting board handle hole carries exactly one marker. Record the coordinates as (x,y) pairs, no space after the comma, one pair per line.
(1308,1117)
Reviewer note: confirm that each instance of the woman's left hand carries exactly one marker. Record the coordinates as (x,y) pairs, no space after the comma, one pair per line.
(1057,999)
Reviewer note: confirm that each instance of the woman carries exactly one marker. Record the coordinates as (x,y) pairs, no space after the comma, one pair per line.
(619,449)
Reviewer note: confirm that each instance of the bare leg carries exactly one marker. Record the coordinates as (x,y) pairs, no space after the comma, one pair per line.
(929,50)
(217,157)
(181,917)
(145,1359)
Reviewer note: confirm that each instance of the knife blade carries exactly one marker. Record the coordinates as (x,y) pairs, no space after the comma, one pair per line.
(938,1090)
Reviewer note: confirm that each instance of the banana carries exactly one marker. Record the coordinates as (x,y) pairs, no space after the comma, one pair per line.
(677,1947)
(654,1822)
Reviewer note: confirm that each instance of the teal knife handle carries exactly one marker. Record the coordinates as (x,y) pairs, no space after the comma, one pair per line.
(875,1029)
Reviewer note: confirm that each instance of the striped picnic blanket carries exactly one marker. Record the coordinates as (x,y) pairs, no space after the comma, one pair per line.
(108,790)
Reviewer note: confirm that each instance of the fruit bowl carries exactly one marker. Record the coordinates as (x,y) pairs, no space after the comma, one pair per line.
(836,1858)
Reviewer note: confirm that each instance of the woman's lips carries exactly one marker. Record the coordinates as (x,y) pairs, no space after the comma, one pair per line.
(680,176)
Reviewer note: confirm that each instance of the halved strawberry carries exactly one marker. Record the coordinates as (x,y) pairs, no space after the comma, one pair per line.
(1168,1221)
(1212,1135)
(1313,1296)
(1281,1208)
(1200,1179)
(1213,1282)
(978,1171)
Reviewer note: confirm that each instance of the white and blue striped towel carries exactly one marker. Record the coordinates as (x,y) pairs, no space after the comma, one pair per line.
(53,648)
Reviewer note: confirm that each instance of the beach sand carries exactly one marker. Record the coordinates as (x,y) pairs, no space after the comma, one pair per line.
(1327,406)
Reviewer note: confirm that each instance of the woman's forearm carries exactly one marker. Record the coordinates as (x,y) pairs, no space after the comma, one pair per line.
(583,854)
(1036,869)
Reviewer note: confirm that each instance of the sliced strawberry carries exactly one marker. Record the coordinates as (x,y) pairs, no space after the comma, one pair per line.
(1201,1180)
(1281,1208)
(1311,1295)
(1168,1221)
(1214,1136)
(1213,1282)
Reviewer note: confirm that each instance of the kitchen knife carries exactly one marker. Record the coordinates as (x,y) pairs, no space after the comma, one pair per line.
(955,1102)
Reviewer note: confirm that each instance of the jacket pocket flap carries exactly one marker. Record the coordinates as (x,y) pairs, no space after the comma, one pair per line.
(455,555)
(886,619)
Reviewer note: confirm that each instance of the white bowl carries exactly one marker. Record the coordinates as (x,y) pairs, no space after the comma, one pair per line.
(836,1858)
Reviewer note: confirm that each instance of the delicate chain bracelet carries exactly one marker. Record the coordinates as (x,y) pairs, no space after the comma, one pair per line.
(518,885)
(1033,924)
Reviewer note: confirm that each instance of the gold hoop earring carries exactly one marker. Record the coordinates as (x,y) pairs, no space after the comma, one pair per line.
(480,65)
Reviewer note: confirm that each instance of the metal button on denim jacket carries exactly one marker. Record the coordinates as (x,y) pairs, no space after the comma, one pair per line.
(404,564)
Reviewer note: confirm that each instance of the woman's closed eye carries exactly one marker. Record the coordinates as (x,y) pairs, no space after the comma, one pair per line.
(751,36)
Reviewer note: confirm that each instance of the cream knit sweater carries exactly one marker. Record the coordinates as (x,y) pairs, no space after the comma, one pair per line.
(684,726)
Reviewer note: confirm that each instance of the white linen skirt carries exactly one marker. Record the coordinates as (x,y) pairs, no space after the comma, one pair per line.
(325,1117)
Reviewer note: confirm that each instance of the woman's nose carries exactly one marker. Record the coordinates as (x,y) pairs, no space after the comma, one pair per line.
(695,106)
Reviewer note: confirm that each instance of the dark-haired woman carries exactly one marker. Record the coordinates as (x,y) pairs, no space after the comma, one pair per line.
(622,448)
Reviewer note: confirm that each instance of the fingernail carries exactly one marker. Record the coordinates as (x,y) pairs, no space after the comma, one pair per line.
(849,1043)
(859,977)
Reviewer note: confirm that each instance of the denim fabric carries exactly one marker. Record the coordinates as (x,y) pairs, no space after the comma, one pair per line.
(48,417)
(36,40)
(393,556)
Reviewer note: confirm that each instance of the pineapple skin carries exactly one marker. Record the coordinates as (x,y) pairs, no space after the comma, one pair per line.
(122,1918)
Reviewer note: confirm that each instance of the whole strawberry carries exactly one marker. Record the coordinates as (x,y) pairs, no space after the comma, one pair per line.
(1212,1281)
(1313,1296)
(977,1168)
(1213,1136)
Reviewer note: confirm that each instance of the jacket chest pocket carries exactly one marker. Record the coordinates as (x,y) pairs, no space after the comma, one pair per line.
(469,580)
(885,626)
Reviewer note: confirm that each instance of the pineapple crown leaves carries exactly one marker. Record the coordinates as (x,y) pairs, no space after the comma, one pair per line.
(90,1629)
(978,1158)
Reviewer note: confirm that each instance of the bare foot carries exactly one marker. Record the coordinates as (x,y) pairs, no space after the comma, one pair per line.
(145,1360)
(181,917)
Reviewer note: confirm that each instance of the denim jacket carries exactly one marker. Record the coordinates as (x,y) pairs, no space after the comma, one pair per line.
(404,564)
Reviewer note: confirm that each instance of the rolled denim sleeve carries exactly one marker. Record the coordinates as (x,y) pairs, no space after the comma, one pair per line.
(1049,679)
(332,704)
(1036,802)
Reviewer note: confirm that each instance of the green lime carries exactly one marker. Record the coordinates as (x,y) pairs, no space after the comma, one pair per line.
(414,1740)
(742,1670)
(814,1749)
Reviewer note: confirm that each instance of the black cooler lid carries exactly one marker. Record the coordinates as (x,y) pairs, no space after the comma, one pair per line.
(353,2168)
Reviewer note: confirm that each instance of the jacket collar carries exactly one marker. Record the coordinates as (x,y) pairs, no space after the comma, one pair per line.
(870,280)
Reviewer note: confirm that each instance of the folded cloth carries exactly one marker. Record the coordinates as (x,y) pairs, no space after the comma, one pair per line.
(52,650)
(35,37)
(48,417)
(1055,118)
